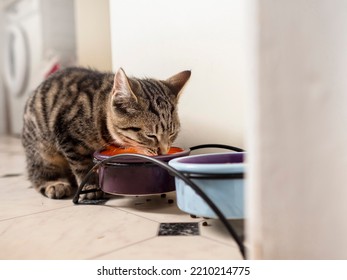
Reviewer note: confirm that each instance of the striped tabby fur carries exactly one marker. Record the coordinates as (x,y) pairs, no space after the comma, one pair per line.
(77,111)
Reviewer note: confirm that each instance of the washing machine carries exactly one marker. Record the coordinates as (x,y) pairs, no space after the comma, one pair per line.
(32,29)
(22,57)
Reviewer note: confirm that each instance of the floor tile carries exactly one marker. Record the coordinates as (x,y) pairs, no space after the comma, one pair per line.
(120,227)
(153,207)
(175,247)
(12,163)
(12,158)
(17,198)
(76,232)
(10,145)
(216,230)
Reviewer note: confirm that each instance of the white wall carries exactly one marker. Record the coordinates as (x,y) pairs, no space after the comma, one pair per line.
(298,134)
(2,92)
(157,38)
(92,20)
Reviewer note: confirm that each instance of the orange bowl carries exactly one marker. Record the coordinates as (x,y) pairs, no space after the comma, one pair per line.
(112,150)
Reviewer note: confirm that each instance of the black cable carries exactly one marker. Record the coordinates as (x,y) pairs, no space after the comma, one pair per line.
(221,146)
(174,172)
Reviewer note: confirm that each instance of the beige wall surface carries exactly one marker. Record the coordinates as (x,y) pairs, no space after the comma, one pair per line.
(297,145)
(3,128)
(158,39)
(93,34)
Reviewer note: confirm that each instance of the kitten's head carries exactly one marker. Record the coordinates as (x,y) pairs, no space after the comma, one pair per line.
(144,111)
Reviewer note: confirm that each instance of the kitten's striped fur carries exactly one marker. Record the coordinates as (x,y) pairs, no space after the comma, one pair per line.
(77,111)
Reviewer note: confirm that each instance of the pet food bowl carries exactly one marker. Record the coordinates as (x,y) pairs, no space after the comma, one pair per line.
(219,176)
(136,176)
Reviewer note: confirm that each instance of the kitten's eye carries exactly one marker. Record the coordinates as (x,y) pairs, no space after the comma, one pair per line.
(152,136)
(135,129)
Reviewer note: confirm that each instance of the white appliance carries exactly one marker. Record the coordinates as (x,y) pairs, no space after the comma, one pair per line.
(21,57)
(39,35)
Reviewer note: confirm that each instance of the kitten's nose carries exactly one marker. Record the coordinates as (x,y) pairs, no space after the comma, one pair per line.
(163,149)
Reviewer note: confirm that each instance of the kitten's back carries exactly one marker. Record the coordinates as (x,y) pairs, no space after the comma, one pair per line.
(66,102)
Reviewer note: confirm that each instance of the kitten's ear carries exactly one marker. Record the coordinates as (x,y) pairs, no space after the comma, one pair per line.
(177,82)
(122,87)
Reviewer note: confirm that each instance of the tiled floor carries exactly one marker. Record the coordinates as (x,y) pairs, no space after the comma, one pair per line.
(35,227)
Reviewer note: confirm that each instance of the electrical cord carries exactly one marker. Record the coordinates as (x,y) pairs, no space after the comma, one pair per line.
(220,146)
(173,172)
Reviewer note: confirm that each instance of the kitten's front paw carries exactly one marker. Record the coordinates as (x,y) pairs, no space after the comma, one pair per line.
(58,189)
(92,195)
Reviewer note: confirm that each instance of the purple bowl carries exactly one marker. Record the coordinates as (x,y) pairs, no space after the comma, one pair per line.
(135,176)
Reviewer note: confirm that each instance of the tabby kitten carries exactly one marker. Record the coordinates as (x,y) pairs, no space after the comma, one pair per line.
(77,111)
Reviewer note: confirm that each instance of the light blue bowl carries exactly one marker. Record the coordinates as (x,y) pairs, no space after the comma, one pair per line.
(219,176)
